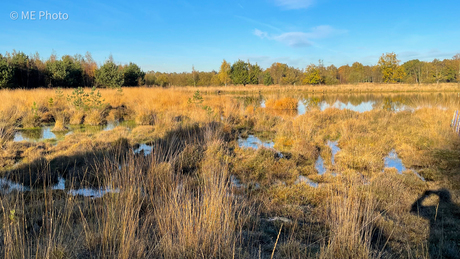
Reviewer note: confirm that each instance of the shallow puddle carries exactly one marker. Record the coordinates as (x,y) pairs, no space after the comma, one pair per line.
(254,142)
(362,107)
(93,193)
(305,180)
(60,185)
(45,132)
(146,149)
(319,166)
(304,106)
(334,149)
(35,135)
(393,161)
(7,186)
(235,182)
(418,175)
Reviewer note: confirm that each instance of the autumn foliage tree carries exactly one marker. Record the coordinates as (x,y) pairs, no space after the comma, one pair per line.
(312,75)
(356,73)
(456,60)
(89,67)
(331,75)
(224,72)
(277,72)
(391,71)
(413,70)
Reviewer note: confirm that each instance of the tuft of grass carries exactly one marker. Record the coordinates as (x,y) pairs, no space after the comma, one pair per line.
(77,117)
(145,117)
(351,218)
(7,132)
(59,126)
(96,117)
(286,103)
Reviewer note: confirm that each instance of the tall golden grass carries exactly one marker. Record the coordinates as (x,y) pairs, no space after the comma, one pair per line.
(351,218)
(179,202)
(157,212)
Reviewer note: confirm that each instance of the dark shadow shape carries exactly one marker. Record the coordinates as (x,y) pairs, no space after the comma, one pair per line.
(182,147)
(444,239)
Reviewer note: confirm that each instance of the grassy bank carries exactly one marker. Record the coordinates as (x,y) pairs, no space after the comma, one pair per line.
(340,88)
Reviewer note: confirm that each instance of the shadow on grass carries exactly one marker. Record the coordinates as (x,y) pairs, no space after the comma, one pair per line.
(444,239)
(181,147)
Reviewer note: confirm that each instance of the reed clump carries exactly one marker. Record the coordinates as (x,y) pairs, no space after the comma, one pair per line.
(351,220)
(6,132)
(286,103)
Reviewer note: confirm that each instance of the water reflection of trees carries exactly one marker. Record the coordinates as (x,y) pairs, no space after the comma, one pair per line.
(33,134)
(254,100)
(312,103)
(391,102)
(386,101)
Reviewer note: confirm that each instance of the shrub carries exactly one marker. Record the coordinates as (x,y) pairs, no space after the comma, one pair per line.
(287,103)
(81,100)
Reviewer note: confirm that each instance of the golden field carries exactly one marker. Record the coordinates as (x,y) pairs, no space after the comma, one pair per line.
(181,200)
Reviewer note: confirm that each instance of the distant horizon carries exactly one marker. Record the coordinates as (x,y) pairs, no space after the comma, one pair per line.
(173,36)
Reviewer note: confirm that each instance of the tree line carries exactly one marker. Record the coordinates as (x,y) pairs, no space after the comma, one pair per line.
(18,70)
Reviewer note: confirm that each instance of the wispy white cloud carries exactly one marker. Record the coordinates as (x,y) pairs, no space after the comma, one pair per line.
(260,33)
(294,39)
(294,4)
(324,31)
(257,22)
(301,39)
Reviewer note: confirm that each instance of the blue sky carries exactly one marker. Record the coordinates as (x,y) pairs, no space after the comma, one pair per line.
(173,36)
